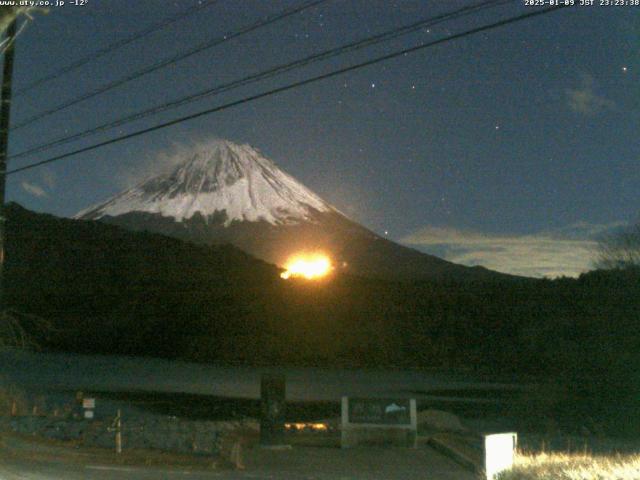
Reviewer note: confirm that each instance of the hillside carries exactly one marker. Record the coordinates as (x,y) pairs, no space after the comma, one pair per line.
(108,290)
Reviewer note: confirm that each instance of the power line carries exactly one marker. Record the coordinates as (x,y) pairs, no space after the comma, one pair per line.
(291,86)
(115,45)
(171,60)
(277,70)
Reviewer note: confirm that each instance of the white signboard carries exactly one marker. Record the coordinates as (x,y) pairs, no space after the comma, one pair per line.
(88,414)
(499,452)
(89,403)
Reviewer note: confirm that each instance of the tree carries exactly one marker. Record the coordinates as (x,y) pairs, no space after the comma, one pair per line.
(9,13)
(620,250)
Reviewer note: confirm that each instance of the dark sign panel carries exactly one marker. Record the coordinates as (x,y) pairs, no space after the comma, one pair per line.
(272,388)
(379,411)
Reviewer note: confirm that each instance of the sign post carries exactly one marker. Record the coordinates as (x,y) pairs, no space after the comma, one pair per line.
(89,407)
(119,432)
(272,392)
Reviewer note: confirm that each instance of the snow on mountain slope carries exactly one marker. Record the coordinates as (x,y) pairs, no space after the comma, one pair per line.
(220,176)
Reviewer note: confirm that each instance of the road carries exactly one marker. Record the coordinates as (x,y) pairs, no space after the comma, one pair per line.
(296,464)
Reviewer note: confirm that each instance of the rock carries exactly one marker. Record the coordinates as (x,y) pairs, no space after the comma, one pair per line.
(440,421)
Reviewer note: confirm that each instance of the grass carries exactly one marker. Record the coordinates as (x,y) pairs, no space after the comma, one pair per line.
(573,466)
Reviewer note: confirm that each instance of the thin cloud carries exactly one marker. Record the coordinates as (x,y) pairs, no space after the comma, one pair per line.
(569,251)
(33,189)
(585,100)
(161,162)
(48,178)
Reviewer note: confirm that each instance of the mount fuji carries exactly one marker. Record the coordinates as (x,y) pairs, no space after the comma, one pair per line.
(228,193)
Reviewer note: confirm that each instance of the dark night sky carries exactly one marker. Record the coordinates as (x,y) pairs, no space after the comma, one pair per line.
(511,148)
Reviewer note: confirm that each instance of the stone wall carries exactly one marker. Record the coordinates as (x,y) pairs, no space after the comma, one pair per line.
(145,432)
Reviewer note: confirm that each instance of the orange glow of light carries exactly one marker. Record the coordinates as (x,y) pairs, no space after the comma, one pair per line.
(311,267)
(314,427)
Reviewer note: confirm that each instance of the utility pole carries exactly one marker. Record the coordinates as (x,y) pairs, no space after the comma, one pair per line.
(5,111)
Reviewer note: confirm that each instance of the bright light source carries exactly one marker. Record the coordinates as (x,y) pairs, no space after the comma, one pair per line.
(311,267)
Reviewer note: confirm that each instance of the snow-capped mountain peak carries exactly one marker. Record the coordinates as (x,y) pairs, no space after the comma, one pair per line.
(220,176)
